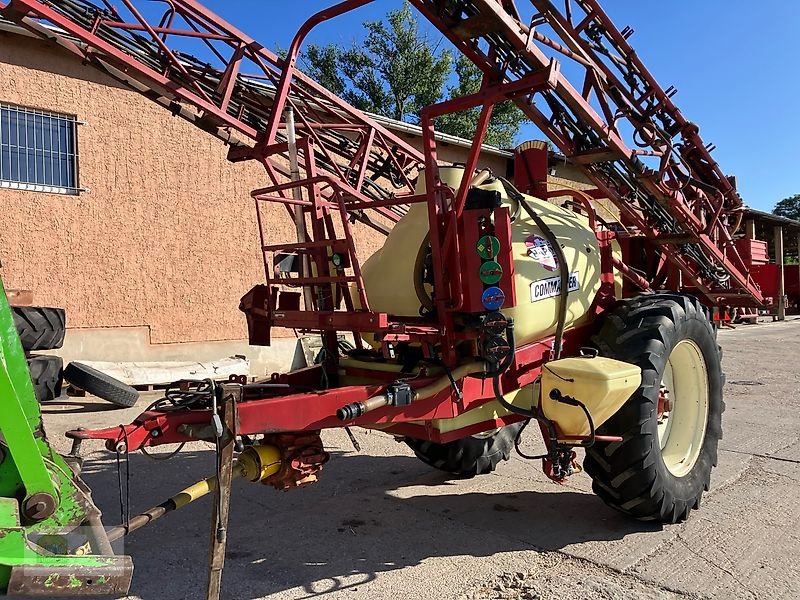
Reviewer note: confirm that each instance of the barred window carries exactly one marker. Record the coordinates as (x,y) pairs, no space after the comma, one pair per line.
(38,150)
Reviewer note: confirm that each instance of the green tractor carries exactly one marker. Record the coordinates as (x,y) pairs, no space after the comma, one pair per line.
(52,538)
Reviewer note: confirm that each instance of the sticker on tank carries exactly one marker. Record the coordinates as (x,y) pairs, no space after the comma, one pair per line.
(551,287)
(540,250)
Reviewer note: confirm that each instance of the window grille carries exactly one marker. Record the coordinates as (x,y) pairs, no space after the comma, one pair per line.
(38,150)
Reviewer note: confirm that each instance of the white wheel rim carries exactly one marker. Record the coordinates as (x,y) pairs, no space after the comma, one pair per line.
(682,429)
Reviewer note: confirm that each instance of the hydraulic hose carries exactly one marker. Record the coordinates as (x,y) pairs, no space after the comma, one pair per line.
(497,370)
(569,400)
(518,197)
(425,300)
(503,366)
(532,413)
(357,409)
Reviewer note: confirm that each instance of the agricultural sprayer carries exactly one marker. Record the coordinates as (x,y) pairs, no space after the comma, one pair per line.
(497,301)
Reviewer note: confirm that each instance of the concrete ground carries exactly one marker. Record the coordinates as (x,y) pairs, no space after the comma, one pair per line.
(381,524)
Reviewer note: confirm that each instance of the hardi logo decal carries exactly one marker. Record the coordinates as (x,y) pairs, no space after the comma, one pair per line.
(540,250)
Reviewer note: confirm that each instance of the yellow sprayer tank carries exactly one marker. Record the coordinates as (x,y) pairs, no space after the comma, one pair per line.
(389,274)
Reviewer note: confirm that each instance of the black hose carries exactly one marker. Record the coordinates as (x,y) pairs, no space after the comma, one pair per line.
(426,302)
(495,368)
(498,370)
(518,441)
(590,442)
(531,414)
(512,343)
(518,197)
(569,400)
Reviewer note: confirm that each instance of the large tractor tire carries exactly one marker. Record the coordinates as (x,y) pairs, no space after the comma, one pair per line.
(47,376)
(476,455)
(672,424)
(39,327)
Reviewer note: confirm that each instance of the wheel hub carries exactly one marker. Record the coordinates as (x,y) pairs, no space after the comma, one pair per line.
(683,408)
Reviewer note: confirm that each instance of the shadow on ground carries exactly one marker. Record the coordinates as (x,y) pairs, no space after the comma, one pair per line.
(67,405)
(368,515)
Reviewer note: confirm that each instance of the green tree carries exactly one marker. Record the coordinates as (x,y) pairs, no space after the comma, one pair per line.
(788,207)
(396,70)
(505,120)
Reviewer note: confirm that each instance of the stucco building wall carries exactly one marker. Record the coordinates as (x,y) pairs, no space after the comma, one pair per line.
(165,239)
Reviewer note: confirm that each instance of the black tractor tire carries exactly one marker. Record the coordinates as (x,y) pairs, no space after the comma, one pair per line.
(468,457)
(47,376)
(632,475)
(40,327)
(101,385)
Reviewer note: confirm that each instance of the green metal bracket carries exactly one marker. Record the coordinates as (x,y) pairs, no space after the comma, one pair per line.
(20,418)
(58,547)
(28,571)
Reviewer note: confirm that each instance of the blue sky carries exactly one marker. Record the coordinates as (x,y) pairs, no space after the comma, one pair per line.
(734,63)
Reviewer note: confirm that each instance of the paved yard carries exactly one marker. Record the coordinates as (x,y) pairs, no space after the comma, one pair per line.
(381,524)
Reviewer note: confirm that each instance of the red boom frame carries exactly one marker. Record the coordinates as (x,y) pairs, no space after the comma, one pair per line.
(621,129)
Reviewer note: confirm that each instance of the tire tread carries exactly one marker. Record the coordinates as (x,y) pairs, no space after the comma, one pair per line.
(469,456)
(630,475)
(40,327)
(46,376)
(101,385)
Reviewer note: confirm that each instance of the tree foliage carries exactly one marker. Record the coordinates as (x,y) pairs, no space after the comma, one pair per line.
(788,207)
(505,120)
(396,70)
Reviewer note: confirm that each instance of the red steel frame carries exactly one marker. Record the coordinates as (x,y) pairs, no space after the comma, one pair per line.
(311,411)
(684,205)
(687,183)
(222,101)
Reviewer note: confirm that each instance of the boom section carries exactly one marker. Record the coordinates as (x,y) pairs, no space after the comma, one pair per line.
(565,64)
(615,123)
(193,63)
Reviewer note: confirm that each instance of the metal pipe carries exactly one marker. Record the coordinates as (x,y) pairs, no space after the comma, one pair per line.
(358,409)
(297,194)
(190,494)
(256,463)
(631,275)
(779,260)
(98,538)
